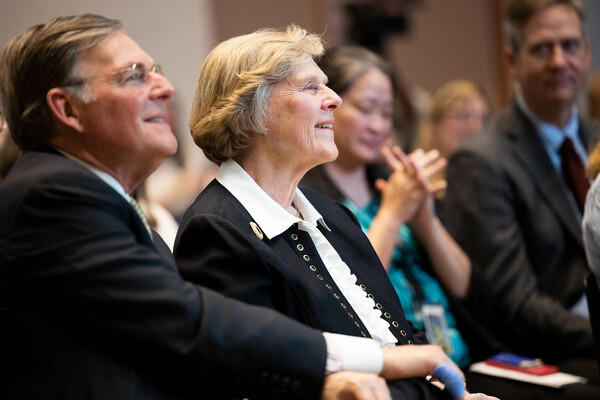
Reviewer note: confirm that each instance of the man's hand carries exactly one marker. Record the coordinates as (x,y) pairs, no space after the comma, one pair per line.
(348,385)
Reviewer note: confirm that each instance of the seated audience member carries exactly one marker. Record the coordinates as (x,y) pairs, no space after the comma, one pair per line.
(91,303)
(262,110)
(516,192)
(459,109)
(9,152)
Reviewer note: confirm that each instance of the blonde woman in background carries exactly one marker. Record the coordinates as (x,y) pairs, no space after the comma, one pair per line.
(459,109)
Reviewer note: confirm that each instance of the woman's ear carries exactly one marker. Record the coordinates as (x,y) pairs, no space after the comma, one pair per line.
(64,108)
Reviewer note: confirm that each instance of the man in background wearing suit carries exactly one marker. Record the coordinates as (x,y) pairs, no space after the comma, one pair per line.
(509,202)
(91,304)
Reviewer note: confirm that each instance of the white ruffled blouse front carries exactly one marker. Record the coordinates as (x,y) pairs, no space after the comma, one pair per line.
(274,220)
(346,281)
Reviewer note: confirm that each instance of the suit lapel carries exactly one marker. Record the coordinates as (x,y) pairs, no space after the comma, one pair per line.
(138,228)
(531,154)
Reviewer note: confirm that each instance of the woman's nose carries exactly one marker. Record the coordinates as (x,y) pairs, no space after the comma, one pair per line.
(331,100)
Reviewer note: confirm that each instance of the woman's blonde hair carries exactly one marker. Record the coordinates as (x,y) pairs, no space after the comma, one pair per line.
(235,83)
(445,100)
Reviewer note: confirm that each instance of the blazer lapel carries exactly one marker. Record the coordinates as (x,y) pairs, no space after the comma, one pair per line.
(531,154)
(138,228)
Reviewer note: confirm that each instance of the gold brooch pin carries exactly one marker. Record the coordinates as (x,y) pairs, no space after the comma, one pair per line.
(256,230)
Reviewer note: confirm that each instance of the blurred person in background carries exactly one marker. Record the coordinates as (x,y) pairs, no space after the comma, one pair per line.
(459,109)
(516,193)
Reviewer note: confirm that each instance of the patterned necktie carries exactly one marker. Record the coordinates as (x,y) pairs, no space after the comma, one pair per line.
(140,214)
(574,172)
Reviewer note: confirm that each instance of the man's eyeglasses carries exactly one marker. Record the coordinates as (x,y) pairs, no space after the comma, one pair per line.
(136,73)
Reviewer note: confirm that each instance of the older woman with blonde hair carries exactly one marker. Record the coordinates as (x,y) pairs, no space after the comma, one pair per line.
(263,112)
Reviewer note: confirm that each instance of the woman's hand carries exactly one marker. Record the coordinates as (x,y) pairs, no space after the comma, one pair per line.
(409,189)
(419,361)
(428,164)
(405,197)
(403,194)
(403,362)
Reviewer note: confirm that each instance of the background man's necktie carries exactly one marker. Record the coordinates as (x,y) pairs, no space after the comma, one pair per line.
(140,213)
(574,172)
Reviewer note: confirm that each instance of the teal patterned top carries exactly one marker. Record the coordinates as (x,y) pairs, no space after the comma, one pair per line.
(415,287)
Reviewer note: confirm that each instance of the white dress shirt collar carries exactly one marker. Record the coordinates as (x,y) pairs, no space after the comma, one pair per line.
(270,216)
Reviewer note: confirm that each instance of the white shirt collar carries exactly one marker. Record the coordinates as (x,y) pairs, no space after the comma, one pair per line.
(270,216)
(107,178)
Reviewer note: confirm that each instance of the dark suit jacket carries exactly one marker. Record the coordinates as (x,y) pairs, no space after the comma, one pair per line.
(286,273)
(507,207)
(89,309)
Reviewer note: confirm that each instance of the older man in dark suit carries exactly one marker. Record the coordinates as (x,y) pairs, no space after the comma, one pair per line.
(515,192)
(91,303)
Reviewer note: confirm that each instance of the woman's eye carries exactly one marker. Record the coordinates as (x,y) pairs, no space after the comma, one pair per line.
(311,86)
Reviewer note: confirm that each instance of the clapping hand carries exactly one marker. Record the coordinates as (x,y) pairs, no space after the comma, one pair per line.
(407,194)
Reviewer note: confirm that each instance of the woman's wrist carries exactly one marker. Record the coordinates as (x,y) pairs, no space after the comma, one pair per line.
(388,220)
(426,229)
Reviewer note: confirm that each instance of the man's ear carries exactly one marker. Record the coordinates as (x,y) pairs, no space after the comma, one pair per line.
(510,60)
(64,107)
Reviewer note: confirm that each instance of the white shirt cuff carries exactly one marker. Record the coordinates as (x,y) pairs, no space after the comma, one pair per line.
(350,353)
